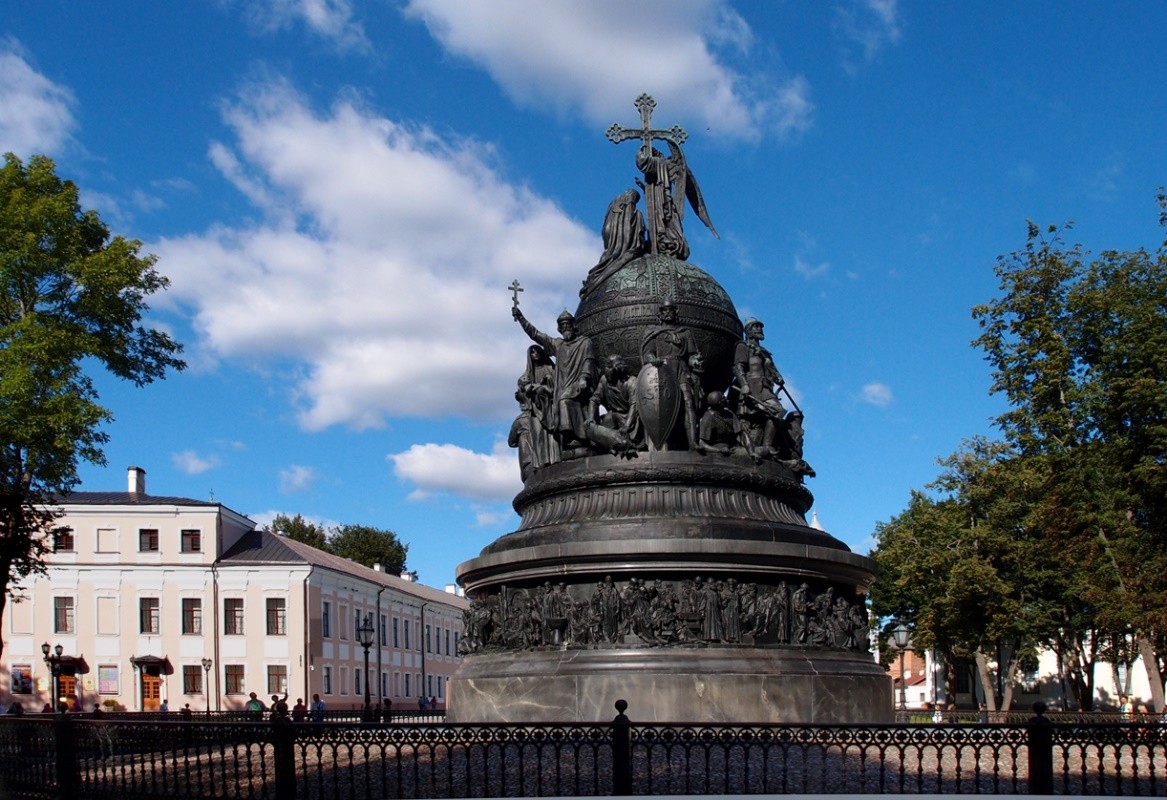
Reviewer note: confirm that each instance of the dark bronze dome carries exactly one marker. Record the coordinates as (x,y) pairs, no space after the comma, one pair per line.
(622,309)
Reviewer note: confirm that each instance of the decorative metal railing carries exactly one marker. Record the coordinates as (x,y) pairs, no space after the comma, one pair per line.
(68,756)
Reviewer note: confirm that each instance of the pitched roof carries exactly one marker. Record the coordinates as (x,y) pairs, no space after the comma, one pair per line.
(128,499)
(265,547)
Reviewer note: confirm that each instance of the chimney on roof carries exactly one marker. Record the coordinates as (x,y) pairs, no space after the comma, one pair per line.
(410,576)
(136,477)
(455,589)
(376,567)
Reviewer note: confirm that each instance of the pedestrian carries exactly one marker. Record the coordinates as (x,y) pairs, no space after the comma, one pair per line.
(164,709)
(421,702)
(186,714)
(299,711)
(254,707)
(387,711)
(279,706)
(317,708)
(16,709)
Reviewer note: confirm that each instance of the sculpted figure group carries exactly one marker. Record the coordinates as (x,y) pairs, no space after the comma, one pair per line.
(572,405)
(659,613)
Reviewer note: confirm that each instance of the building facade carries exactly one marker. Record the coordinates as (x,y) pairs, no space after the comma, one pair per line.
(155,598)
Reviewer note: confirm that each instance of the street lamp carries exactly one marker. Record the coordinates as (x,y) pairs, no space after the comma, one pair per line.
(901,636)
(365,639)
(207,683)
(53,662)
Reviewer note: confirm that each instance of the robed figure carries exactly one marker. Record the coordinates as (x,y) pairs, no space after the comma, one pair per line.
(575,377)
(624,239)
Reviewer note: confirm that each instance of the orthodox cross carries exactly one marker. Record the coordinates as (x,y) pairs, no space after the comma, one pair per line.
(515,289)
(646,133)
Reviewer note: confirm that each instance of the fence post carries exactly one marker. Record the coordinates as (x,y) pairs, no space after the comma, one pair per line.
(621,751)
(283,747)
(1041,751)
(65,742)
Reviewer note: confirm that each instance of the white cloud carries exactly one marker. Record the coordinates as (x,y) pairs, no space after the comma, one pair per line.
(36,115)
(866,28)
(192,463)
(810,271)
(877,394)
(296,478)
(449,468)
(380,269)
(596,56)
(330,19)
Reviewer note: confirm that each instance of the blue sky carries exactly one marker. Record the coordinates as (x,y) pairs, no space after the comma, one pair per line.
(340,192)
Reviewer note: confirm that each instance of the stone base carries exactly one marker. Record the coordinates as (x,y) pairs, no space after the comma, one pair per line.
(706,684)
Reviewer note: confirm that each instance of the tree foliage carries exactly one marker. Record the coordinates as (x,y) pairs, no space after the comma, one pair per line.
(71,297)
(1061,529)
(301,530)
(1079,348)
(367,545)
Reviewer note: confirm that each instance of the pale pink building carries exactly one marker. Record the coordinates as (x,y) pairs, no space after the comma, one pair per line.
(156,598)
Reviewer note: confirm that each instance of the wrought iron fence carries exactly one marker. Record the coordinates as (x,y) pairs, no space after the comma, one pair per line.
(69,756)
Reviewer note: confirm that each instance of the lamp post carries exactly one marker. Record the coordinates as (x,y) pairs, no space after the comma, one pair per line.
(53,662)
(901,636)
(365,639)
(207,682)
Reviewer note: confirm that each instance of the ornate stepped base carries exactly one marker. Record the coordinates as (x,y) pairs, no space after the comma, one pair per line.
(708,684)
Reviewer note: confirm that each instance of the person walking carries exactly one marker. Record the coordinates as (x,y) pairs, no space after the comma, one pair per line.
(254,707)
(299,711)
(317,708)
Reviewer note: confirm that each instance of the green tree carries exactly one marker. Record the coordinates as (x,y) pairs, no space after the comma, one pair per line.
(367,545)
(962,570)
(301,530)
(71,298)
(1079,348)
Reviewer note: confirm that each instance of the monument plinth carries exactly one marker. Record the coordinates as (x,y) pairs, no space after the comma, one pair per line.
(663,553)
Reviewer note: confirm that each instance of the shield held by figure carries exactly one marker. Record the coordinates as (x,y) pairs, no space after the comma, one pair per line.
(658,399)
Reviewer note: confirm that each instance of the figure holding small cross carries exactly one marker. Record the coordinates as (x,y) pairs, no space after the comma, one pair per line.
(515,289)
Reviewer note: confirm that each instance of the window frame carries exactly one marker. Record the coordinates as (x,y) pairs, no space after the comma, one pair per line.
(192,616)
(277,614)
(64,541)
(64,614)
(234,679)
(233,616)
(189,537)
(149,616)
(149,540)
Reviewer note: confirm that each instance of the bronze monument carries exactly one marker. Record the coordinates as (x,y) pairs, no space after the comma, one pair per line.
(663,554)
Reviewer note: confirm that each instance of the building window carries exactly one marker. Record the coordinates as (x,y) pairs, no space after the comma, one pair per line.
(63,541)
(407,677)
(63,621)
(407,637)
(328,680)
(381,631)
(441,688)
(192,541)
(447,641)
(233,678)
(192,616)
(277,679)
(148,608)
(456,637)
(107,679)
(192,679)
(356,681)
(326,621)
(21,679)
(277,616)
(233,616)
(429,644)
(148,540)
(429,685)
(395,643)
(384,684)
